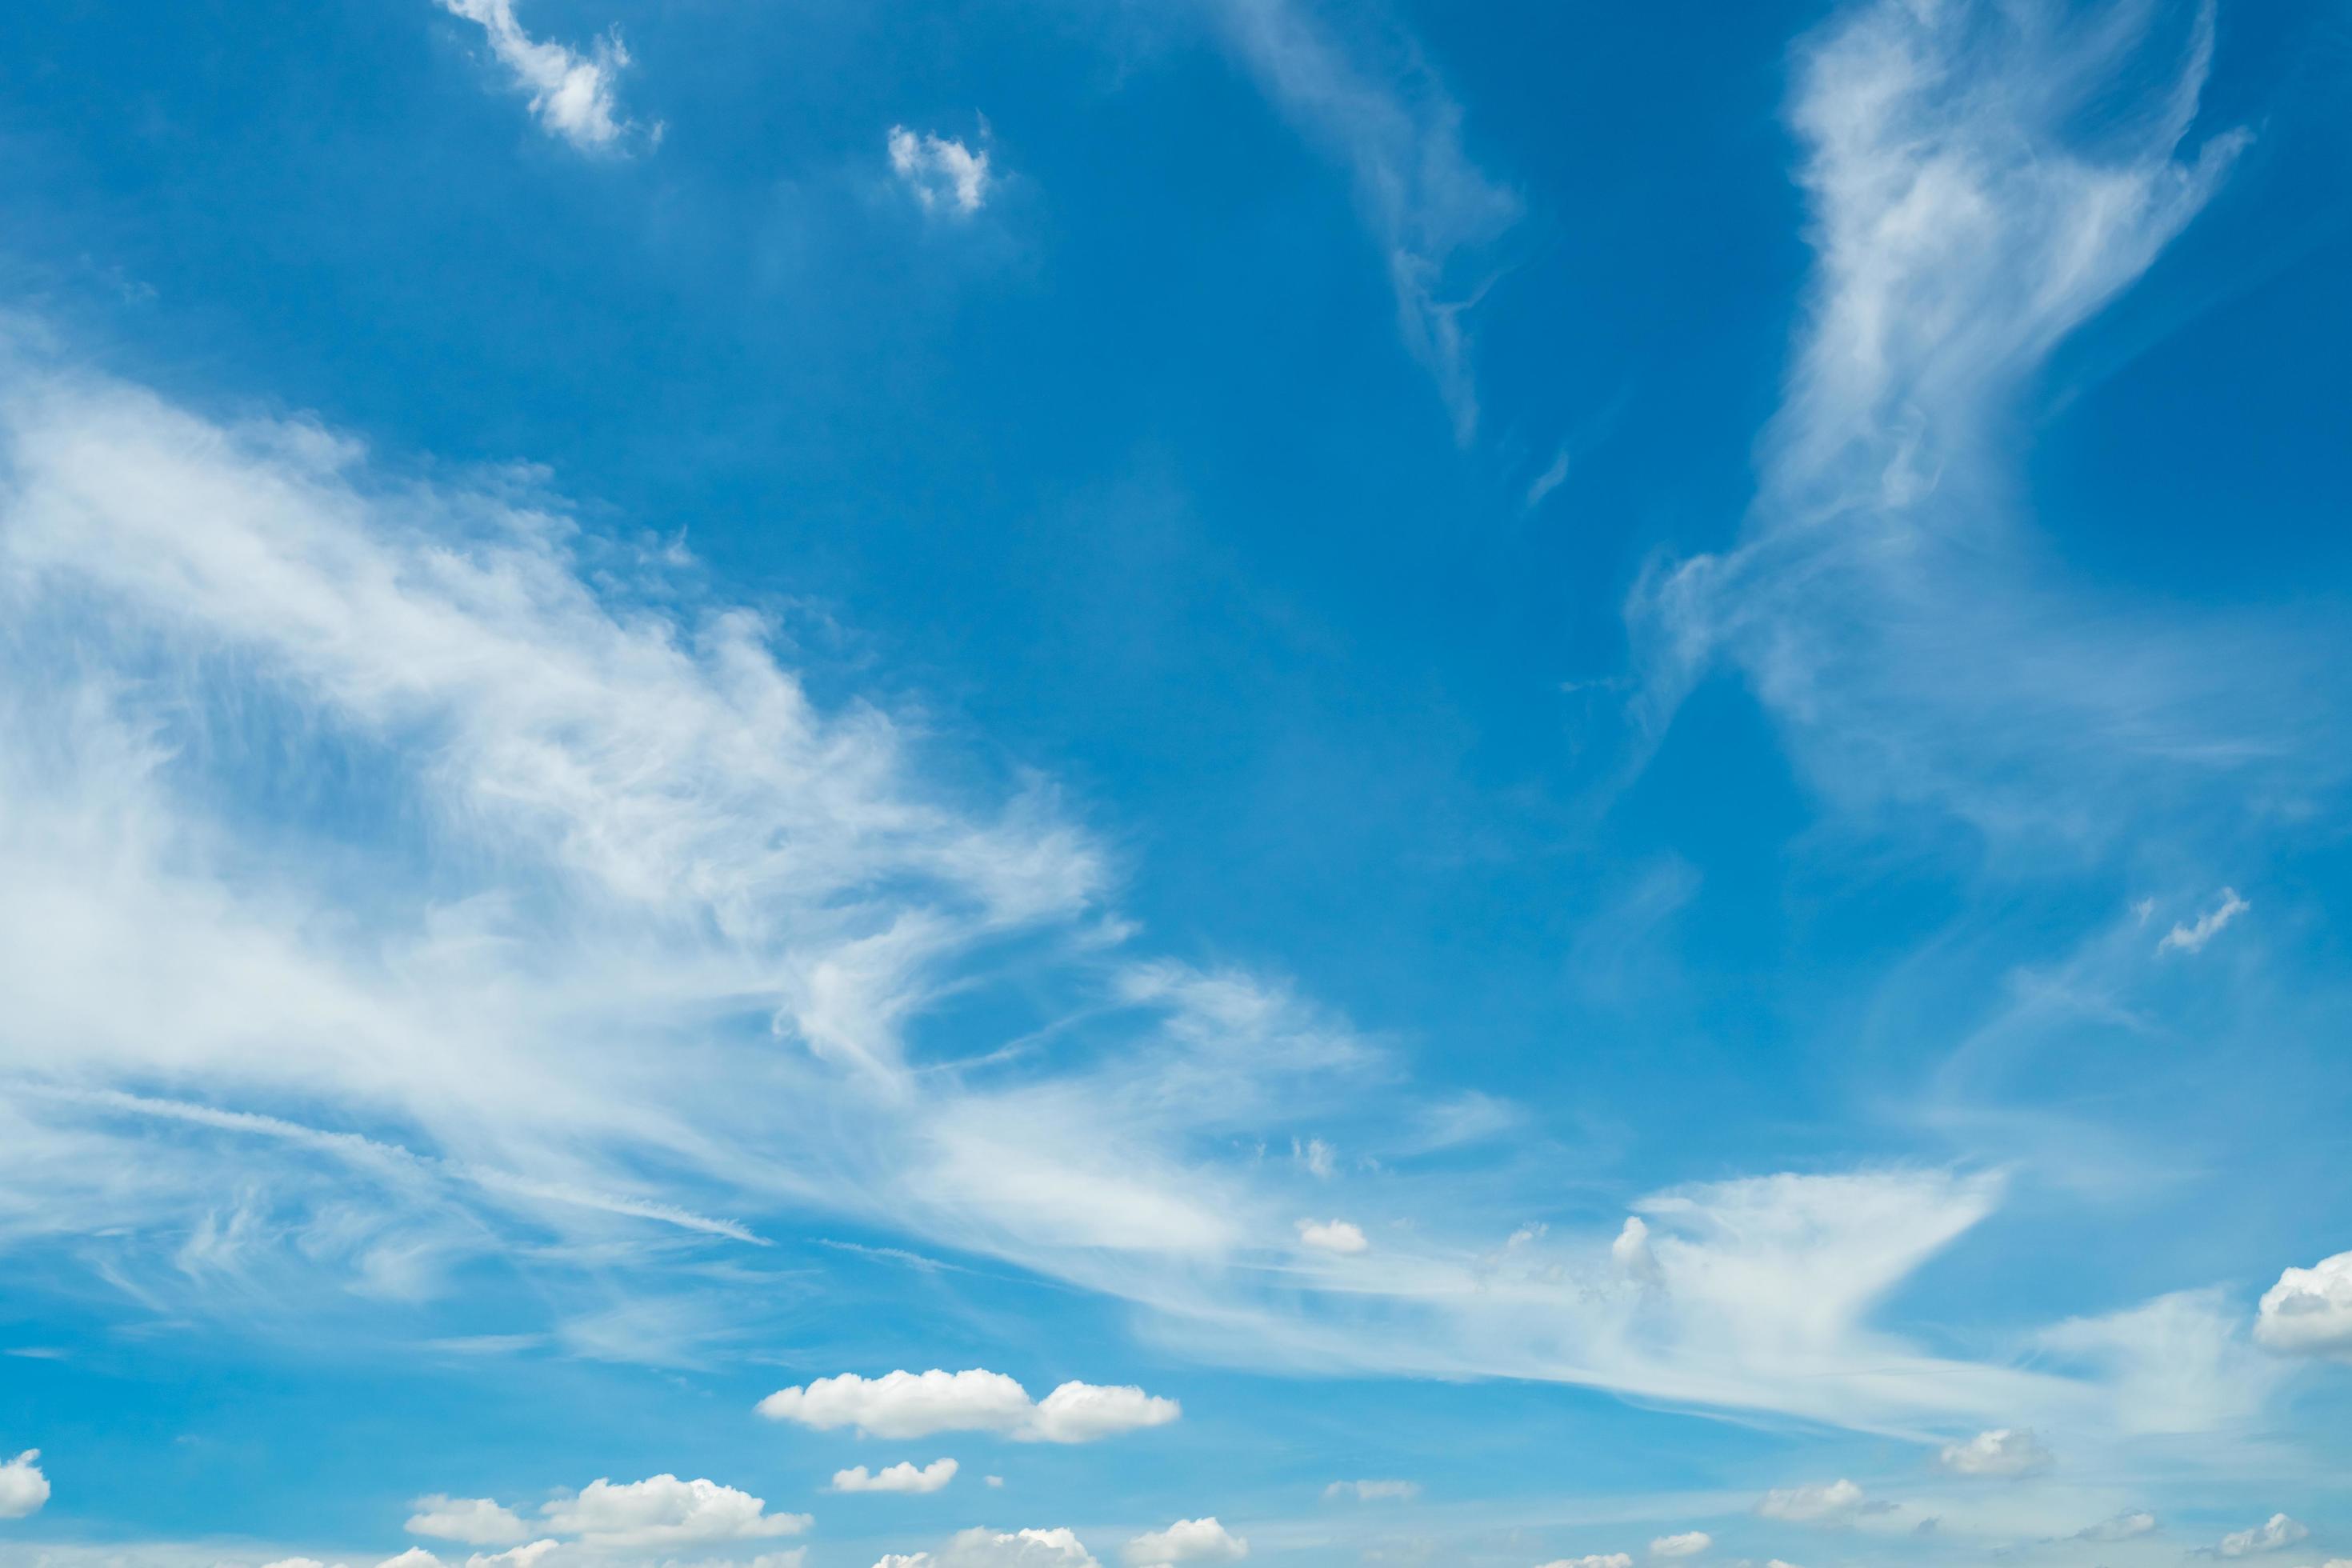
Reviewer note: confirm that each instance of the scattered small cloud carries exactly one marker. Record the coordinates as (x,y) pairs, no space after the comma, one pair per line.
(1689,1543)
(1186,1541)
(981,1548)
(2128,1525)
(1314,1155)
(1593,1560)
(572,93)
(902,1477)
(663,1510)
(2275,1534)
(943,173)
(1829,1502)
(1550,480)
(1331,1236)
(476,1521)
(916,1405)
(2192,936)
(1372,1491)
(2002,1452)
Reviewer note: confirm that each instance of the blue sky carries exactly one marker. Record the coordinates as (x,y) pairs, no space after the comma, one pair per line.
(1063,785)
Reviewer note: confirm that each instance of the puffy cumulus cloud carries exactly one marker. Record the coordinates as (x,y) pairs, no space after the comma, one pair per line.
(477,1521)
(2004,1451)
(1827,1502)
(1186,1541)
(1593,1560)
(1689,1543)
(2309,1311)
(982,1548)
(902,1477)
(1631,1252)
(916,1405)
(2192,936)
(2276,1534)
(23,1488)
(573,94)
(1331,1236)
(2128,1525)
(1372,1491)
(942,172)
(414,1557)
(663,1510)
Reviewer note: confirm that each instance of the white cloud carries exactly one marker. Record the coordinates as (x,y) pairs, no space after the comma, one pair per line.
(1885,604)
(2193,936)
(1314,1155)
(2177,1364)
(942,172)
(1372,1491)
(993,1481)
(476,1521)
(2309,1311)
(1332,1235)
(2129,1525)
(23,1488)
(916,1405)
(1435,213)
(902,1477)
(1594,1560)
(414,1557)
(1630,1251)
(2275,1534)
(2002,1451)
(524,1556)
(572,93)
(1689,1543)
(663,1510)
(1186,1541)
(981,1548)
(1830,1502)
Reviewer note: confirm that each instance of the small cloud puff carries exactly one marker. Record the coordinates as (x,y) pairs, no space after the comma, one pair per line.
(1372,1491)
(476,1521)
(911,1405)
(2309,1310)
(23,1488)
(2003,1452)
(990,1549)
(2192,938)
(1332,1235)
(572,93)
(1833,1502)
(902,1477)
(663,1510)
(2275,1534)
(1689,1543)
(941,172)
(1593,1560)
(2127,1526)
(1186,1541)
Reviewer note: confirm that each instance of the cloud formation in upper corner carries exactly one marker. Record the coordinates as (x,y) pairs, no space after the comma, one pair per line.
(944,174)
(911,1405)
(573,94)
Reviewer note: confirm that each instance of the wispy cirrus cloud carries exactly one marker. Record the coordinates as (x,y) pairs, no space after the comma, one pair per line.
(1375,103)
(1982,181)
